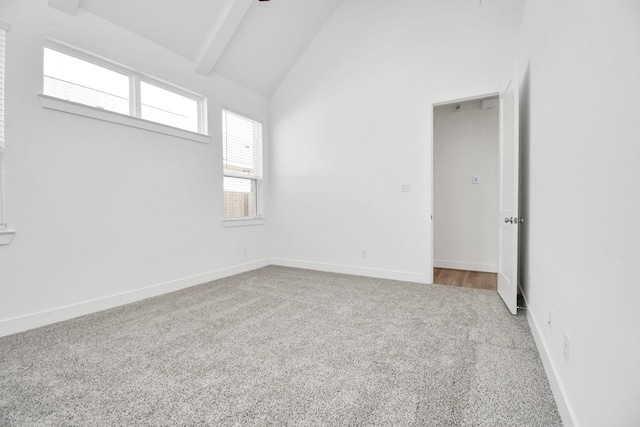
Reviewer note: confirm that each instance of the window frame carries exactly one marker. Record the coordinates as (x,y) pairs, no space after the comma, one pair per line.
(258,218)
(6,233)
(135,101)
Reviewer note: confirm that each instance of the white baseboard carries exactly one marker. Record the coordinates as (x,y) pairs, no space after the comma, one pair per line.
(558,390)
(467,266)
(35,320)
(353,270)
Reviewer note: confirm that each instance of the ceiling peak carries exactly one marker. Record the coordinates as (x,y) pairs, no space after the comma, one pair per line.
(70,7)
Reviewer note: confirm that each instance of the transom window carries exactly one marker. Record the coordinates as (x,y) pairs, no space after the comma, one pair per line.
(78,77)
(242,161)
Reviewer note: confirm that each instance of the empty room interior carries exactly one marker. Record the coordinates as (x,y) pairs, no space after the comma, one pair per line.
(303,212)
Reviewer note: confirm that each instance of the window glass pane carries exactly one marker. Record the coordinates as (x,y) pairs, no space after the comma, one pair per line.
(169,108)
(239,197)
(80,81)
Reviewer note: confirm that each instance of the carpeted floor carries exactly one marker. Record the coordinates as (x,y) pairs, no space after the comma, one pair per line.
(281,346)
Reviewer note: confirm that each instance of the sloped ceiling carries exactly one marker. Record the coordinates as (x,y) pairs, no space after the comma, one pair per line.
(270,40)
(165,22)
(252,43)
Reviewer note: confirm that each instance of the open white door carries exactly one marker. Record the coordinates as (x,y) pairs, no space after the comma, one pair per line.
(508,219)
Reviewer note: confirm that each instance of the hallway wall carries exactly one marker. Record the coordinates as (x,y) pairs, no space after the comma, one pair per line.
(465,214)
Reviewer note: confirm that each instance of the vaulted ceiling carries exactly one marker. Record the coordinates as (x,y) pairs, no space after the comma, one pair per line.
(249,42)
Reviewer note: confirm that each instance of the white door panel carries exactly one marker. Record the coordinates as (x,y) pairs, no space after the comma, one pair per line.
(508,220)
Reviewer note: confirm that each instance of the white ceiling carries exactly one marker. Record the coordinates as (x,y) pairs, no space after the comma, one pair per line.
(165,22)
(252,43)
(270,40)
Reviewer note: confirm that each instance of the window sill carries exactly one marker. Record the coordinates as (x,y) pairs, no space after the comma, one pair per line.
(6,236)
(243,222)
(58,104)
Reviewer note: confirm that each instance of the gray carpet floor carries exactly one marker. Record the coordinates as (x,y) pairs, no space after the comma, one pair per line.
(282,346)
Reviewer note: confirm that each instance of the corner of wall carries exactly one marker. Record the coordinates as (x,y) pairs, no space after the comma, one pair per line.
(355,270)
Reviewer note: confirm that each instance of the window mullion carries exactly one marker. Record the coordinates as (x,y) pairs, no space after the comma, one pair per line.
(202,117)
(134,95)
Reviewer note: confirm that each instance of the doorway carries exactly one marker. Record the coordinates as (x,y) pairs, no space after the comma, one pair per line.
(466,191)
(465,279)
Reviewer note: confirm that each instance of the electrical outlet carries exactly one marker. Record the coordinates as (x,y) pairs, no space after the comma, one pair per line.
(245,251)
(364,253)
(566,347)
(550,318)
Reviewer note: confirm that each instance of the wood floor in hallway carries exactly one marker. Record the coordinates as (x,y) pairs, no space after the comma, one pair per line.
(465,279)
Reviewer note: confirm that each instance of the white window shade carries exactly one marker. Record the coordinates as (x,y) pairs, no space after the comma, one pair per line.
(242,146)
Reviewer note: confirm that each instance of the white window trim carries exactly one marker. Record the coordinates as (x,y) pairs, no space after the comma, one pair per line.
(244,222)
(133,119)
(6,233)
(53,103)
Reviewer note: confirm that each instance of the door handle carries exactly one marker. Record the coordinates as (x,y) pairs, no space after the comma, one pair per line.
(513,220)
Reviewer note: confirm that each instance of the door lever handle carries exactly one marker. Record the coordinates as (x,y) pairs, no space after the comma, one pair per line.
(513,220)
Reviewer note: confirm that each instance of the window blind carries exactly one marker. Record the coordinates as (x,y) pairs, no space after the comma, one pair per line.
(3,221)
(242,146)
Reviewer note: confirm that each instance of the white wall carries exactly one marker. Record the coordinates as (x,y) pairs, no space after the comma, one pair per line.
(352,122)
(105,213)
(582,137)
(465,228)
(102,210)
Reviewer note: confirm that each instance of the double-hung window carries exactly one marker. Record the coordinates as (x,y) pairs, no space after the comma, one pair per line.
(243,168)
(81,78)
